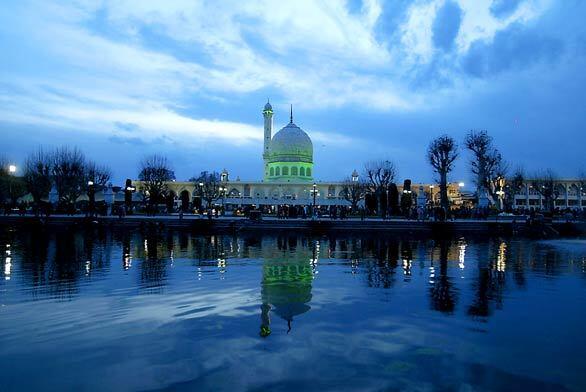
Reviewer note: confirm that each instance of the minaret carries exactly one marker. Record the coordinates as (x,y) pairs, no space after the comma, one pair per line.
(268,115)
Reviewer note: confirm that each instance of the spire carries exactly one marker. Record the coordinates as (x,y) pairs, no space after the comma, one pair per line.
(291,113)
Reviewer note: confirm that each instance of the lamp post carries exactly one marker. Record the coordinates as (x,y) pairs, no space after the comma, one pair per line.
(500,193)
(12,172)
(314,192)
(128,196)
(201,196)
(222,195)
(92,197)
(431,194)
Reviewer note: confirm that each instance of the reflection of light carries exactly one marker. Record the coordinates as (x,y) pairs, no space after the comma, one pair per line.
(222,267)
(354,266)
(315,257)
(146,246)
(88,267)
(7,268)
(199,273)
(127,261)
(501,258)
(407,267)
(431,274)
(461,254)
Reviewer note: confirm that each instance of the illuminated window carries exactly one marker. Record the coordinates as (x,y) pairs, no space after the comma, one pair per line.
(294,171)
(285,171)
(308,172)
(278,171)
(272,171)
(302,172)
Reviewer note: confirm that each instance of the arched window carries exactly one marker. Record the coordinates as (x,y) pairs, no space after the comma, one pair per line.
(285,171)
(272,171)
(302,172)
(308,172)
(278,171)
(294,171)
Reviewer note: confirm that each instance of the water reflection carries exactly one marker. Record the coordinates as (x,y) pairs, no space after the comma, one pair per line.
(387,313)
(58,263)
(442,292)
(286,282)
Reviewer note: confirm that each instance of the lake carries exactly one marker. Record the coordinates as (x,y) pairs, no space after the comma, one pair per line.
(99,309)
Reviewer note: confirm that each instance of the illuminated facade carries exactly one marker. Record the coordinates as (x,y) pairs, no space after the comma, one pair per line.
(570,193)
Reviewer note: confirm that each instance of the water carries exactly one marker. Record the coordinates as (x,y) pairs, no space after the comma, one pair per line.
(119,311)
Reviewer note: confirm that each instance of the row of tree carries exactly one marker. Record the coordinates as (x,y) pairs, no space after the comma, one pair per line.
(492,176)
(67,169)
(71,174)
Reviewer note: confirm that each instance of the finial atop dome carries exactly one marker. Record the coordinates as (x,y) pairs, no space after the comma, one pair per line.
(291,113)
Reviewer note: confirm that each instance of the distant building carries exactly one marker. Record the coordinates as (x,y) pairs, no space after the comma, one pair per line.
(570,194)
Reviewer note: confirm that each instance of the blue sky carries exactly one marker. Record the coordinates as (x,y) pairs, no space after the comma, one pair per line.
(368,80)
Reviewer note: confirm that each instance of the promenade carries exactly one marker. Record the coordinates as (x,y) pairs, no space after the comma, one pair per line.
(203,224)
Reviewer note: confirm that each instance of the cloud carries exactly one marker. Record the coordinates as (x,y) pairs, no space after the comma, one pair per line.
(513,49)
(504,8)
(446,25)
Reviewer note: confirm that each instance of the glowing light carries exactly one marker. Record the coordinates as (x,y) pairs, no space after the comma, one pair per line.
(12,169)
(461,255)
(461,184)
(501,258)
(7,268)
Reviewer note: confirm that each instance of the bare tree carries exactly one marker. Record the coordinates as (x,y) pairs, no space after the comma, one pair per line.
(487,164)
(4,178)
(380,175)
(68,173)
(97,178)
(99,175)
(515,185)
(353,191)
(37,175)
(207,186)
(441,154)
(155,173)
(545,183)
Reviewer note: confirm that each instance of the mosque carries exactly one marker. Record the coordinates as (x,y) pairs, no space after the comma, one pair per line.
(288,175)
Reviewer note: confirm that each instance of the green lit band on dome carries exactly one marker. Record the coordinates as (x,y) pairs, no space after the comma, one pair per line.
(287,171)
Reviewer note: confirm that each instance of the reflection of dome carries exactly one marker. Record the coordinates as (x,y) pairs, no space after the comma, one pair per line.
(291,144)
(287,279)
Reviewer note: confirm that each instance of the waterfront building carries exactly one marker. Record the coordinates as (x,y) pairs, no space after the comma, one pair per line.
(570,193)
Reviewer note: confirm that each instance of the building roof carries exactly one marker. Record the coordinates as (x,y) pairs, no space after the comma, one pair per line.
(291,144)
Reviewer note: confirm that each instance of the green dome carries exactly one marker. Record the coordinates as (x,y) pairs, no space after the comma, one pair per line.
(291,144)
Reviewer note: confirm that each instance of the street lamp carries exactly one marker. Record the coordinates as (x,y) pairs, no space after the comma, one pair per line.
(314,192)
(461,184)
(92,197)
(11,171)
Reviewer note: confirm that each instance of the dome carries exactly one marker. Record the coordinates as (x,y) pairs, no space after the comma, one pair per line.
(291,144)
(268,107)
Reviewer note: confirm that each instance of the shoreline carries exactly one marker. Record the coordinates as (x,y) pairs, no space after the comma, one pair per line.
(241,224)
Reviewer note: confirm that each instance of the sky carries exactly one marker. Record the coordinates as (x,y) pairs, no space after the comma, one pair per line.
(368,80)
